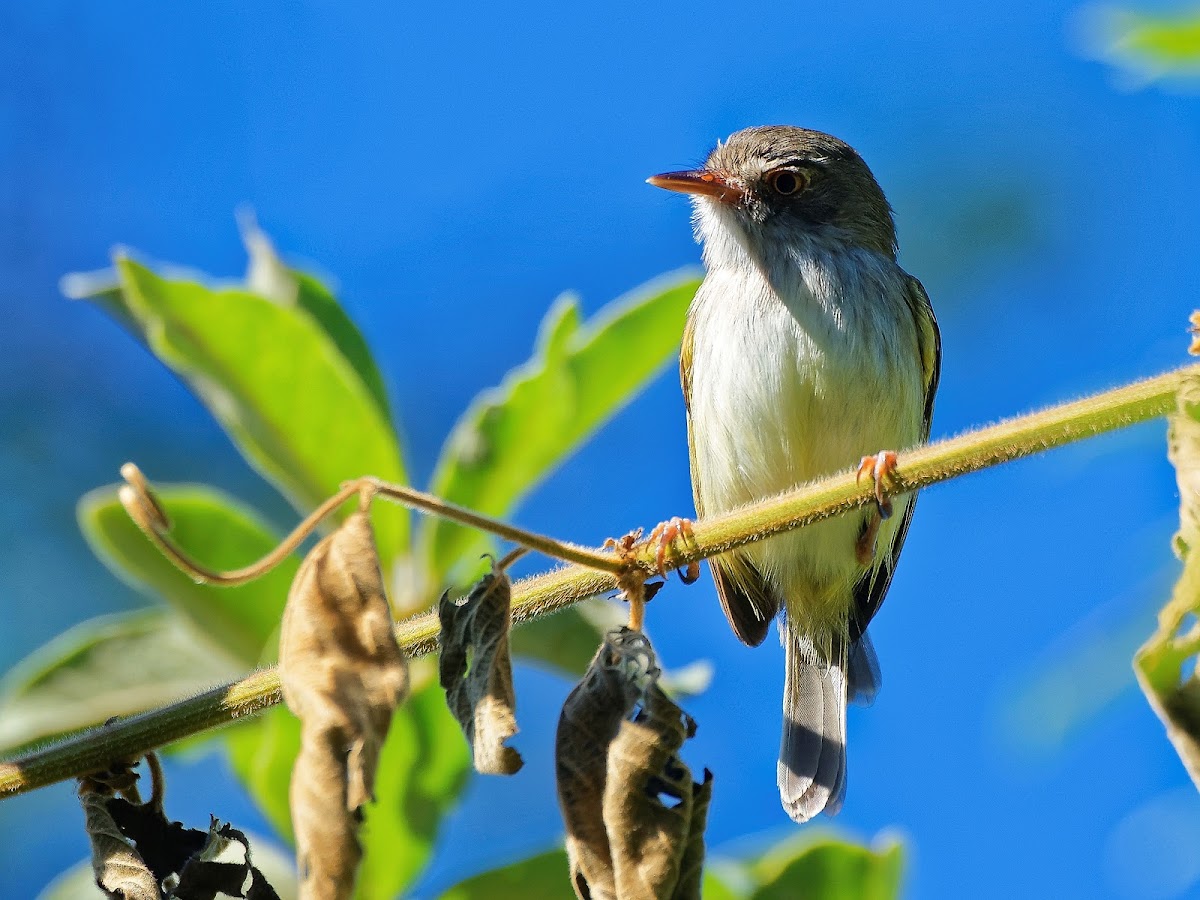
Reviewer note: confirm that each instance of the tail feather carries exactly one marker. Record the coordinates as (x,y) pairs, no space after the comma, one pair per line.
(812,754)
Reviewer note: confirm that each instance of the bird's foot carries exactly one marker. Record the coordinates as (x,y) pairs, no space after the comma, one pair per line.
(864,547)
(665,534)
(880,467)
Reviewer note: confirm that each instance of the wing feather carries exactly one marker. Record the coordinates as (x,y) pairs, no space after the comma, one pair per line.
(872,588)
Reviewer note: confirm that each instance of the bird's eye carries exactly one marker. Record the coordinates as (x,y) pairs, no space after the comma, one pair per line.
(787,182)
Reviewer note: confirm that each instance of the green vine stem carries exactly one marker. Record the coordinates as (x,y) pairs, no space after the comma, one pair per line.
(541,595)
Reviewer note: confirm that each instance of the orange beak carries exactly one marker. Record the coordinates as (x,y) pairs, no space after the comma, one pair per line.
(701,181)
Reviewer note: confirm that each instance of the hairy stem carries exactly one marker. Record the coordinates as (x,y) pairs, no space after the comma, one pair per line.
(544,594)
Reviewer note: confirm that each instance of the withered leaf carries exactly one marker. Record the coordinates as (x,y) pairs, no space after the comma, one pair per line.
(208,873)
(137,854)
(342,674)
(119,869)
(475,636)
(635,819)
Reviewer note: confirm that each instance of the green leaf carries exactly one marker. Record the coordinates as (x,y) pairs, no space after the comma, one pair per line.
(317,300)
(270,277)
(84,676)
(422,770)
(277,383)
(546,876)
(715,888)
(513,436)
(216,531)
(828,869)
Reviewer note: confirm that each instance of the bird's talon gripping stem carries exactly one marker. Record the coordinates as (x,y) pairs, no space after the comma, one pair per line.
(665,534)
(880,467)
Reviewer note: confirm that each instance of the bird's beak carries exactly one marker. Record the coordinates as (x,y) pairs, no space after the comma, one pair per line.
(700,181)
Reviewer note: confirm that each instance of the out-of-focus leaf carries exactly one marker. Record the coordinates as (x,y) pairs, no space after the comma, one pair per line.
(482,700)
(318,301)
(513,436)
(102,288)
(422,771)
(1146,45)
(566,641)
(1080,677)
(829,869)
(85,676)
(261,753)
(218,532)
(545,876)
(342,673)
(715,887)
(1161,664)
(825,868)
(279,385)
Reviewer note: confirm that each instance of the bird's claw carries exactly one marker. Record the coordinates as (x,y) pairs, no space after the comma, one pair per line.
(665,534)
(880,467)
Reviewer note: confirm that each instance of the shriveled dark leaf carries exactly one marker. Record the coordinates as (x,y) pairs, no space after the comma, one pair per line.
(475,636)
(342,674)
(209,872)
(1162,662)
(137,854)
(272,876)
(164,846)
(634,817)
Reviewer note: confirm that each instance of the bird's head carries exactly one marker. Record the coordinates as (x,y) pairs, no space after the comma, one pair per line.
(778,183)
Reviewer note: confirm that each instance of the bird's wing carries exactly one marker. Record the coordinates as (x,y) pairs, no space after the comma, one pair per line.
(870,590)
(749,603)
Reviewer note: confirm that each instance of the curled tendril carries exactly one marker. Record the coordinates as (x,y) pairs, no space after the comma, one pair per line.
(137,496)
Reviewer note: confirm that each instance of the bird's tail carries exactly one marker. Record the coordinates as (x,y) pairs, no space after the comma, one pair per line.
(812,755)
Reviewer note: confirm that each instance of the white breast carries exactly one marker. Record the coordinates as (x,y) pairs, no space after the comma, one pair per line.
(797,377)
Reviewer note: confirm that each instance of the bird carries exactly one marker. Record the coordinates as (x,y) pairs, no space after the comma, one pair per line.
(806,348)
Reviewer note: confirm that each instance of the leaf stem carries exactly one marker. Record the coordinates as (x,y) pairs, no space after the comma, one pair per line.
(547,593)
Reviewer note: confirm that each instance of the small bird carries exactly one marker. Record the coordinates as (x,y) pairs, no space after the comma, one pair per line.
(805,348)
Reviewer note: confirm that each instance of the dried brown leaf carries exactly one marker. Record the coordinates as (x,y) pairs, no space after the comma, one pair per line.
(691,865)
(634,817)
(120,871)
(475,636)
(342,674)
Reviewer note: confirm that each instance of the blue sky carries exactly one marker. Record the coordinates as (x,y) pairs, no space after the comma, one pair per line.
(454,168)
